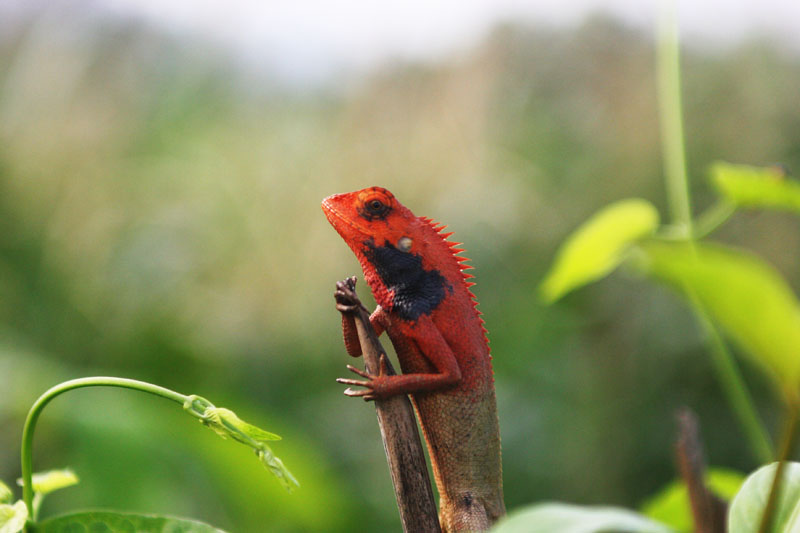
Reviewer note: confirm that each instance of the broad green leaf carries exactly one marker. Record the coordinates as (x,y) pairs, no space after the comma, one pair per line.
(567,518)
(13,517)
(52,480)
(671,505)
(746,296)
(598,246)
(113,522)
(5,493)
(744,515)
(747,186)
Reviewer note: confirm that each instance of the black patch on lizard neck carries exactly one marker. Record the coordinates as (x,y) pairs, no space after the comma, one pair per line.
(416,291)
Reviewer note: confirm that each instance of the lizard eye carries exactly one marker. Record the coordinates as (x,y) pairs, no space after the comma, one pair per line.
(376,207)
(404,244)
(375,204)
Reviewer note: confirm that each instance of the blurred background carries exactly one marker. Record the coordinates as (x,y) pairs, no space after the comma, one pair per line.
(161,168)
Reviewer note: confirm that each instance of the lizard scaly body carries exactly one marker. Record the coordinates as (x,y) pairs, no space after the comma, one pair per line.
(426,307)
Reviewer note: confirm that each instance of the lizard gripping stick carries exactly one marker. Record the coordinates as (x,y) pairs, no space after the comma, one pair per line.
(412,484)
(429,313)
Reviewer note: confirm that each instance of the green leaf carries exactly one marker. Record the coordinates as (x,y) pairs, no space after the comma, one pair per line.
(276,466)
(747,186)
(567,518)
(225,423)
(745,295)
(114,522)
(598,246)
(52,480)
(671,504)
(5,493)
(13,517)
(744,515)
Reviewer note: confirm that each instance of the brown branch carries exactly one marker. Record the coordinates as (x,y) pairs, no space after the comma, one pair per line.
(401,442)
(708,511)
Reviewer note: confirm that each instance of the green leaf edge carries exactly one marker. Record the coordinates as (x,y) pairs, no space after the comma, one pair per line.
(558,281)
(756,187)
(52,480)
(15,518)
(755,488)
(54,524)
(591,519)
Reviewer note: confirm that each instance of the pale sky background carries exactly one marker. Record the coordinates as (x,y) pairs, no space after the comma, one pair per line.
(313,38)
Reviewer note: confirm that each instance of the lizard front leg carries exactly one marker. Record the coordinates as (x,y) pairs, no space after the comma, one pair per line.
(348,303)
(432,346)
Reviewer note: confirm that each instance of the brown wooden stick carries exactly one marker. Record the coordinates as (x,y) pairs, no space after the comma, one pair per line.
(401,442)
(708,511)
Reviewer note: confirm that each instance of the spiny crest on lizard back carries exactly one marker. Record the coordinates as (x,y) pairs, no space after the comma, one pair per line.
(451,253)
(407,260)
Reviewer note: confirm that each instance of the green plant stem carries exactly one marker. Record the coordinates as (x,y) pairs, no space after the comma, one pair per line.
(671,119)
(734,386)
(672,142)
(44,399)
(787,445)
(713,218)
(735,389)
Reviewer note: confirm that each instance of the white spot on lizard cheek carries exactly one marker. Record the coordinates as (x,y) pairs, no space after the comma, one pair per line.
(404,244)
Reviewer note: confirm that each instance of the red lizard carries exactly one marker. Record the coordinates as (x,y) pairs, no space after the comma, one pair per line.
(426,307)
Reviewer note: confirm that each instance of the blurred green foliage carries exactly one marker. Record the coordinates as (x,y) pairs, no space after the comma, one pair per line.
(159,220)
(670,505)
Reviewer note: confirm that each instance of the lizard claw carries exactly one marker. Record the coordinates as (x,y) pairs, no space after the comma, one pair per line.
(365,393)
(356,382)
(358,371)
(373,385)
(347,300)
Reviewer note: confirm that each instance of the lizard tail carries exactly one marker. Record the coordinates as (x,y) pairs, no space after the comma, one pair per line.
(467,513)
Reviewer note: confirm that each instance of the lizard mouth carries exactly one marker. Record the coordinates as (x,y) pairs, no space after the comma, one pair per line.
(337,219)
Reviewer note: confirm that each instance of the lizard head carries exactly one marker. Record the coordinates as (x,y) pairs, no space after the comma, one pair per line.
(371,215)
(390,243)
